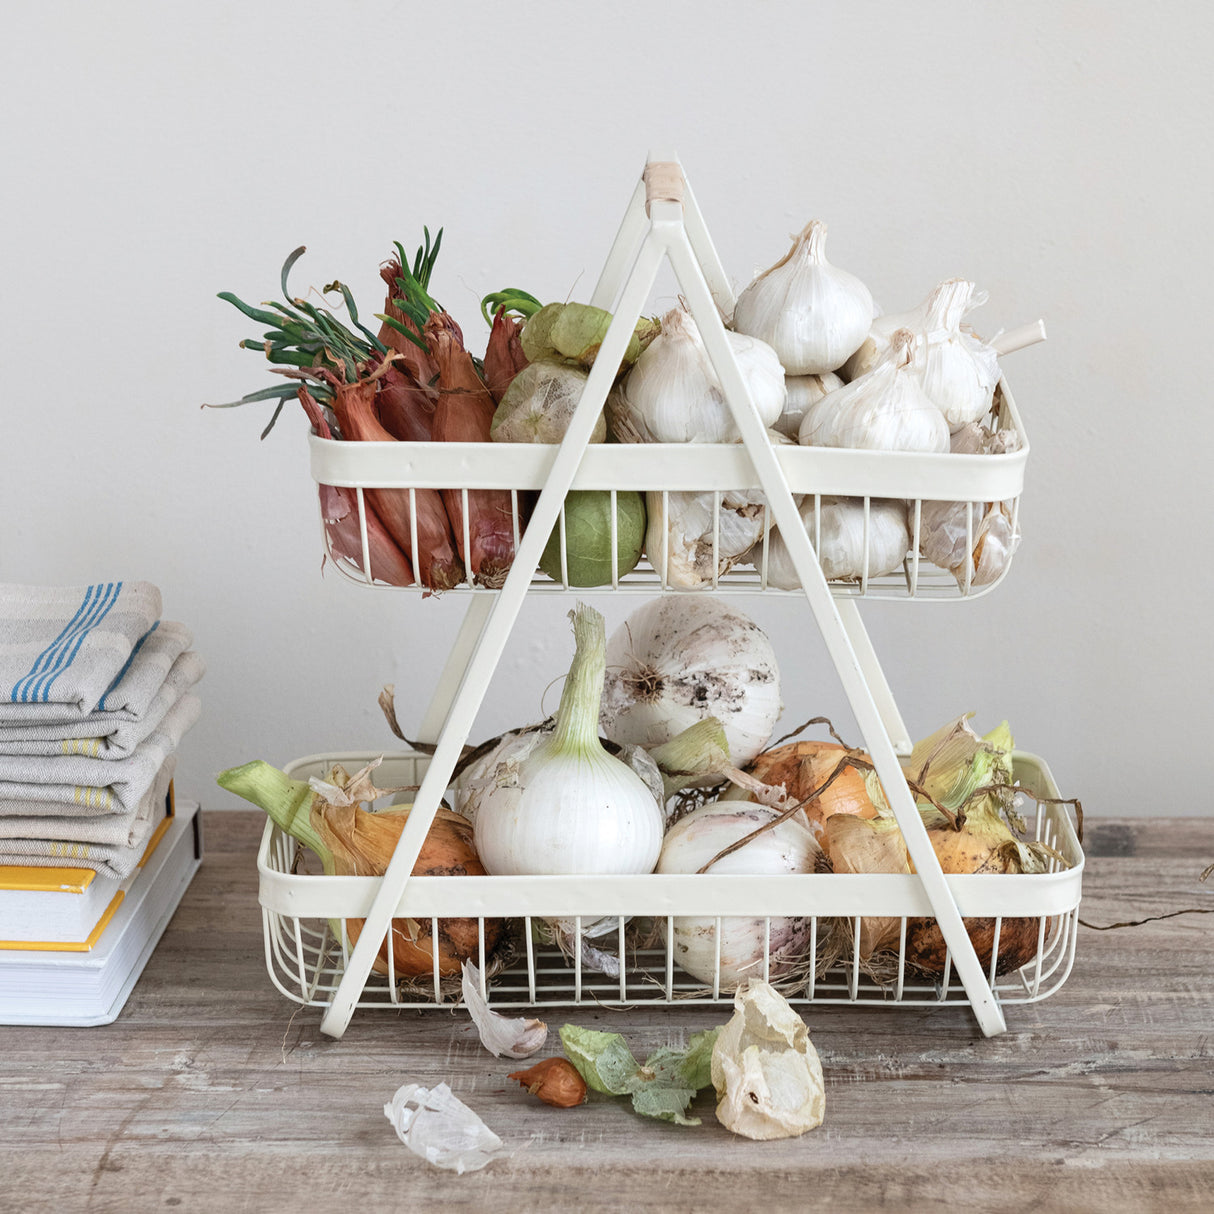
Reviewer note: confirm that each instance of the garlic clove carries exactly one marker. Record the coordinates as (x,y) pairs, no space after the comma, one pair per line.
(813,314)
(500,1035)
(803,391)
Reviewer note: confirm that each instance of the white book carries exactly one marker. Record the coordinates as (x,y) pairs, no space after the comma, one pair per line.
(59,986)
(65,907)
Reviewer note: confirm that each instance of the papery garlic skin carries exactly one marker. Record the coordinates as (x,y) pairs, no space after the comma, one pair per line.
(673,394)
(959,371)
(886,409)
(991,539)
(803,391)
(812,314)
(501,1036)
(539,404)
(680,533)
(691,843)
(839,540)
(766,1071)
(679,659)
(437,1126)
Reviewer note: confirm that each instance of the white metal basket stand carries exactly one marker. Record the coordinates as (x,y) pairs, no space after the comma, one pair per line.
(663,222)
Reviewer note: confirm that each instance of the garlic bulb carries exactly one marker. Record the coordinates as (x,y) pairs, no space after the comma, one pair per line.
(569,806)
(681,658)
(673,394)
(803,391)
(812,314)
(959,371)
(992,537)
(691,843)
(839,540)
(539,404)
(679,544)
(885,409)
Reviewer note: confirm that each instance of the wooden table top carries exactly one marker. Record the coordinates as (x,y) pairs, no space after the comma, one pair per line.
(212,1091)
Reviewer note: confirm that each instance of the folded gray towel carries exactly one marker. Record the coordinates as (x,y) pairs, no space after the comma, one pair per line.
(113,735)
(113,844)
(61,648)
(82,786)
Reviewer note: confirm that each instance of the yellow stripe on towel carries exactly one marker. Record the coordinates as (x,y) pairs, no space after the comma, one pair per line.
(89,747)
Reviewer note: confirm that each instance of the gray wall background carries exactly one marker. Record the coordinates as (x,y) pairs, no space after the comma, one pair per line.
(1057,154)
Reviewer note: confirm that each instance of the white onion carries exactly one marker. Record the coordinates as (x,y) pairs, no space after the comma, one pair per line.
(691,843)
(679,659)
(568,806)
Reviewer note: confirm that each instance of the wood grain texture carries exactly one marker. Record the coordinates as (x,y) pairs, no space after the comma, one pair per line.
(212,1091)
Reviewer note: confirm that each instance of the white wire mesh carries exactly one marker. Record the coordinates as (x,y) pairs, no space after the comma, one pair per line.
(980,480)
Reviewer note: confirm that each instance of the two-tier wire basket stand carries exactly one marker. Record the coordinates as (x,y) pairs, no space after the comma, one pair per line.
(308,951)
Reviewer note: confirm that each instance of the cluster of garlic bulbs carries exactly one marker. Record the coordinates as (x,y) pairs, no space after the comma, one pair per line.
(917,381)
(822,369)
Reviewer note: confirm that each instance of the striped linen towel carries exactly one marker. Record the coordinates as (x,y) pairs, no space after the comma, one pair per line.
(81,786)
(111,844)
(61,648)
(114,734)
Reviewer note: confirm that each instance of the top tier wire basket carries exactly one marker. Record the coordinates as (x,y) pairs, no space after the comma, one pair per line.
(723,479)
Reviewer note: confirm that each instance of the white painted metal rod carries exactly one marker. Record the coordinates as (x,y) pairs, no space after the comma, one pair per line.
(1019,338)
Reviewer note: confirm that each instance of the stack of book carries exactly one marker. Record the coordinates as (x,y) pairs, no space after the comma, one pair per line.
(96,693)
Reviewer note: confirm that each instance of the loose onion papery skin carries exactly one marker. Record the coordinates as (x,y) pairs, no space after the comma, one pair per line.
(362,844)
(801,767)
(868,845)
(788,848)
(679,659)
(965,852)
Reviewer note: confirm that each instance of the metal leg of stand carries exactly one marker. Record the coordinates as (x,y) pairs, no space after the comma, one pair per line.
(874,676)
(457,662)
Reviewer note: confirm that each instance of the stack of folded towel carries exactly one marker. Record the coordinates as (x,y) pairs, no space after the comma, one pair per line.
(95,697)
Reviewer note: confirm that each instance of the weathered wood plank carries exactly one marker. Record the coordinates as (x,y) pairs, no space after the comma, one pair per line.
(211,1090)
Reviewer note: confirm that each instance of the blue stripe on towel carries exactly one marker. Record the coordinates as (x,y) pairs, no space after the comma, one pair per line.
(20,693)
(126,666)
(35,687)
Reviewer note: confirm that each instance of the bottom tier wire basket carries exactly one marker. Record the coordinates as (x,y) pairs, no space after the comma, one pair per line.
(620,944)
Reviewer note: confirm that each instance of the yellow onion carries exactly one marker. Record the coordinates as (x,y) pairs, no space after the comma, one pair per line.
(802,767)
(984,844)
(362,844)
(868,845)
(327,817)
